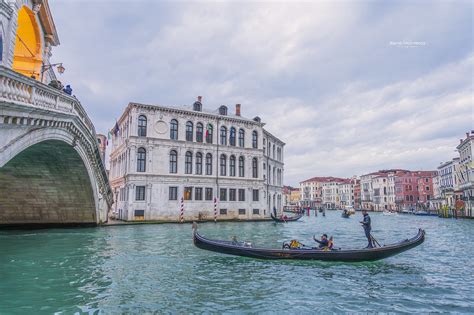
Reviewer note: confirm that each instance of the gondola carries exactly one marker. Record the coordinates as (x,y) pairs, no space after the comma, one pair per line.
(345,215)
(287,219)
(345,255)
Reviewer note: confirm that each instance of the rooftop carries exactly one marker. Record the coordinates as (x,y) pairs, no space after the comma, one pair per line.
(189,109)
(325,179)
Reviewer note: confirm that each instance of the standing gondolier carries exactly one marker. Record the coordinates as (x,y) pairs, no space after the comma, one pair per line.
(366,224)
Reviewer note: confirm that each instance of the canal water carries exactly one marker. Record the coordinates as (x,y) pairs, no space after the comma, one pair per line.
(156,268)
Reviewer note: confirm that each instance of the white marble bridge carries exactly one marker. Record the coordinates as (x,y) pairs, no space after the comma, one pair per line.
(51,172)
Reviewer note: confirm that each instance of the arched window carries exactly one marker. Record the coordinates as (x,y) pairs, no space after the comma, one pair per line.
(199,132)
(223,165)
(173,162)
(174,129)
(241,166)
(241,138)
(141,160)
(188,163)
(223,135)
(232,136)
(197,106)
(199,163)
(232,165)
(189,131)
(273,151)
(223,110)
(142,126)
(28,48)
(254,139)
(209,164)
(209,132)
(254,168)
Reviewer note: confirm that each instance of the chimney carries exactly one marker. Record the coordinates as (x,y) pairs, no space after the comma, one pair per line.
(199,99)
(460,141)
(237,109)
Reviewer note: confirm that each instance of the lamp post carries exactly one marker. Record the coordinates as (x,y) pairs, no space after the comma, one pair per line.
(45,68)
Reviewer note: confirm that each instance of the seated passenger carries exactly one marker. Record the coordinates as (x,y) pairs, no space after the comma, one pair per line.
(331,243)
(294,244)
(323,242)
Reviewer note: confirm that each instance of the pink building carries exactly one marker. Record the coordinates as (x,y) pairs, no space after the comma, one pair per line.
(413,189)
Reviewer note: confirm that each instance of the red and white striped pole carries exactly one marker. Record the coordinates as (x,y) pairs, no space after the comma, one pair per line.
(181,217)
(215,209)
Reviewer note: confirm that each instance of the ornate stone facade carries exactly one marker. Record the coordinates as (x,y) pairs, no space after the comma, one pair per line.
(167,158)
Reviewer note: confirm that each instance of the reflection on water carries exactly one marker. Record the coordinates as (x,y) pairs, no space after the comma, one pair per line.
(150,268)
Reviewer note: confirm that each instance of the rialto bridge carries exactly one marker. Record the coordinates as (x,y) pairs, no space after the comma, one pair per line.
(51,171)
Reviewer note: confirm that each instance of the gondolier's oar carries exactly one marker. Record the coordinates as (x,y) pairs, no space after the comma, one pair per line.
(375,241)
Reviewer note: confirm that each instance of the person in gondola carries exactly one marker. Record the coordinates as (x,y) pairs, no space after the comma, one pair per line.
(331,243)
(366,224)
(274,211)
(323,243)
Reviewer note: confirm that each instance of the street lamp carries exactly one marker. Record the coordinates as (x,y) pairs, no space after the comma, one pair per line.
(59,67)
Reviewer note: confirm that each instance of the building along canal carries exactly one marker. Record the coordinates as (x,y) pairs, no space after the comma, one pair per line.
(147,268)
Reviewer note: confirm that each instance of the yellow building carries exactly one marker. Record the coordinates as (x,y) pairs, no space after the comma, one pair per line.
(27,36)
(295,196)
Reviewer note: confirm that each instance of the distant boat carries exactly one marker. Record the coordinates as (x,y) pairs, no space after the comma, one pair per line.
(285,218)
(350,210)
(389,213)
(425,213)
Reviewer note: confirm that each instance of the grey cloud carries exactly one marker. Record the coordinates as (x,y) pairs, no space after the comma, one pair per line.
(323,75)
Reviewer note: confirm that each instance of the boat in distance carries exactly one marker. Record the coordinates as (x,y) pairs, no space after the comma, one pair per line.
(344,255)
(287,219)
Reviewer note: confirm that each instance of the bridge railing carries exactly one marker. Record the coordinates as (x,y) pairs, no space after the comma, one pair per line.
(18,88)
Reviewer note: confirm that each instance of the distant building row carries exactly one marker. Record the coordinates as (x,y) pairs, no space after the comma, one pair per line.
(450,186)
(329,192)
(394,189)
(454,183)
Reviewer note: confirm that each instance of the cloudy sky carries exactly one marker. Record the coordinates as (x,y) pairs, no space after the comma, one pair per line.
(350,86)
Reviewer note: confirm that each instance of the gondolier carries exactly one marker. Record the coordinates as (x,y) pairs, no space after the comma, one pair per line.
(366,224)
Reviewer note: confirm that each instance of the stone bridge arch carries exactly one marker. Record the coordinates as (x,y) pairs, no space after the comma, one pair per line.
(47,178)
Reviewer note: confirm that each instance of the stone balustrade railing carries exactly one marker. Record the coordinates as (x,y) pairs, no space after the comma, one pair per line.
(18,88)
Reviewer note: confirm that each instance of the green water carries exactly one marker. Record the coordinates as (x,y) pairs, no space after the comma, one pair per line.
(156,268)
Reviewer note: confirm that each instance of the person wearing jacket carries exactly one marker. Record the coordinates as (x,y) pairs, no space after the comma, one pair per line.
(323,243)
(366,224)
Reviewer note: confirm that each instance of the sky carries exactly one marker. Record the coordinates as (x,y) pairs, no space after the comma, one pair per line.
(350,86)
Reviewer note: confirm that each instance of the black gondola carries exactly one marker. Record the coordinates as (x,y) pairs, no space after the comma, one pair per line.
(353,255)
(287,219)
(345,215)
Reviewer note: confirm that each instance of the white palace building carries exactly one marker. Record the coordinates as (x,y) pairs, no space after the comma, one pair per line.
(186,163)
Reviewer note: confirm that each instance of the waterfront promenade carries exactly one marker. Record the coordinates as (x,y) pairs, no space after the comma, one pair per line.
(155,267)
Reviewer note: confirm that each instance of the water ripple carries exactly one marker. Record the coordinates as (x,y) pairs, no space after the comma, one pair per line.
(156,269)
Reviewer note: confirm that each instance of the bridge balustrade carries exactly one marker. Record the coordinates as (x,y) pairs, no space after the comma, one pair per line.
(18,88)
